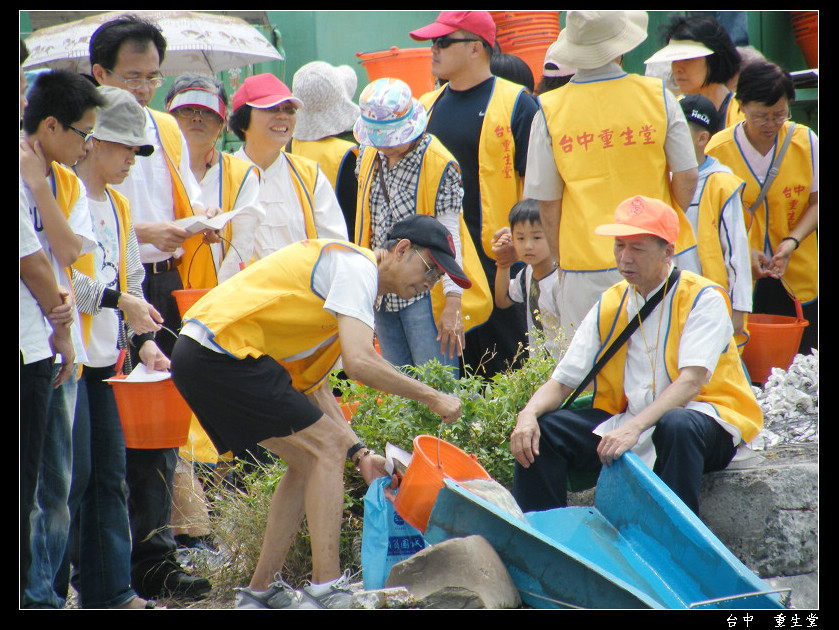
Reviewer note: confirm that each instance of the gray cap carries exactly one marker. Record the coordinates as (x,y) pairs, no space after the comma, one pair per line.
(122,120)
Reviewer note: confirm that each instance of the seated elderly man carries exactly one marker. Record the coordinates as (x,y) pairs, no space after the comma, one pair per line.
(675,393)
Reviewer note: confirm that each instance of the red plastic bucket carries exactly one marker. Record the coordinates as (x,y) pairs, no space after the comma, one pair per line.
(187,297)
(433,460)
(411,65)
(153,415)
(773,342)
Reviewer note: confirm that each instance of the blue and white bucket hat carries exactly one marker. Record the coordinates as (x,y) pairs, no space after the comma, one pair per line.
(390,116)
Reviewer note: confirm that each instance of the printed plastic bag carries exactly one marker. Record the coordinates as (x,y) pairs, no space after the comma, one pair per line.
(385,539)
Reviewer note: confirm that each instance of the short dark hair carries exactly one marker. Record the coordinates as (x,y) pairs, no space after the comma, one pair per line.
(512,68)
(724,63)
(64,94)
(24,52)
(240,120)
(106,41)
(525,211)
(764,82)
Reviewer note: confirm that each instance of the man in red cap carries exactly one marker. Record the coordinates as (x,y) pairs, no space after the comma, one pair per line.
(675,393)
(297,197)
(484,121)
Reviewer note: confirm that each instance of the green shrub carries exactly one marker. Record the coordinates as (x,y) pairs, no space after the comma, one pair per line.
(489,406)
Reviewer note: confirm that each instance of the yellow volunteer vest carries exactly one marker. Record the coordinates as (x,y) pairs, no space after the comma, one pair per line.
(500,184)
(198,270)
(86,263)
(270,308)
(718,188)
(732,114)
(476,300)
(330,153)
(606,152)
(66,190)
(728,390)
(786,201)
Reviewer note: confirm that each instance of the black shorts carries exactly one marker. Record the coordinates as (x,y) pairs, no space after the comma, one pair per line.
(239,402)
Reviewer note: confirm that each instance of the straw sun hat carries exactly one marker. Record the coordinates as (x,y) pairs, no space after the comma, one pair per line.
(327,91)
(593,38)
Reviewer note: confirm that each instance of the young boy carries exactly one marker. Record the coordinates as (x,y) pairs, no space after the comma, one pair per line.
(538,283)
(59,117)
(716,214)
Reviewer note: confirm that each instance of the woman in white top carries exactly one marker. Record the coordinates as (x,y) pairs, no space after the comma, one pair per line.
(298,199)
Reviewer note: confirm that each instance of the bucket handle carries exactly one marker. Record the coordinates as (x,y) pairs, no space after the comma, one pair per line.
(192,258)
(439,439)
(393,50)
(799,311)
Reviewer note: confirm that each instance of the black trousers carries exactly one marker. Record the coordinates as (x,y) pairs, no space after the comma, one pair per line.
(688,443)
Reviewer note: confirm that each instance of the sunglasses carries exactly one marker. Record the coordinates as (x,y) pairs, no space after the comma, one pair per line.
(445,42)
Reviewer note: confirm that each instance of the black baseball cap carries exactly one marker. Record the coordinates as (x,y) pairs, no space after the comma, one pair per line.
(426,231)
(700,110)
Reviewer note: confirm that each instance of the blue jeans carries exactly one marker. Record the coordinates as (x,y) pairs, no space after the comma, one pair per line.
(50,524)
(409,336)
(100,546)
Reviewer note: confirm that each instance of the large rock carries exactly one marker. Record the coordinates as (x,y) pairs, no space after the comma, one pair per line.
(457,573)
(765,509)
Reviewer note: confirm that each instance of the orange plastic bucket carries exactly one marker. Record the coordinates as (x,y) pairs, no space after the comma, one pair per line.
(433,460)
(153,415)
(411,65)
(187,297)
(773,342)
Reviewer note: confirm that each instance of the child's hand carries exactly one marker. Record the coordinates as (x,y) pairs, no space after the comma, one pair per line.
(503,249)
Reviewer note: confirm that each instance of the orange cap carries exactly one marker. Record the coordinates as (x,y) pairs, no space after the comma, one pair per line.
(643,215)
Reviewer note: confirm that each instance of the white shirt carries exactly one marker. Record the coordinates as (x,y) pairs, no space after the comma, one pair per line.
(284,220)
(707,332)
(759,164)
(102,347)
(148,188)
(33,331)
(81,225)
(548,305)
(250,216)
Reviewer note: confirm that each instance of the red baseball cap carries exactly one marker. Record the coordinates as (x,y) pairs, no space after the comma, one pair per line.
(262,91)
(478,22)
(643,215)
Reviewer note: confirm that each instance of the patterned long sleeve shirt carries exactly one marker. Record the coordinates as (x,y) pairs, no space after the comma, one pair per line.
(397,201)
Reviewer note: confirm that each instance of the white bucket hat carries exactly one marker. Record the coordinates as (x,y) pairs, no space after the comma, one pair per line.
(390,116)
(679,49)
(592,39)
(329,109)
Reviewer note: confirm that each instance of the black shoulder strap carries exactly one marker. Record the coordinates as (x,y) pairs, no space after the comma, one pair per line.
(626,334)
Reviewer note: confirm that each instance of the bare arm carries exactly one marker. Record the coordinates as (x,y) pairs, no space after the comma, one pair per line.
(683,185)
(524,440)
(807,224)
(364,364)
(37,274)
(65,244)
